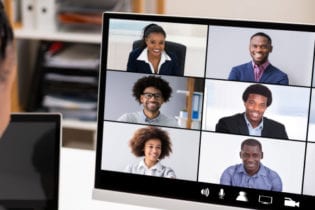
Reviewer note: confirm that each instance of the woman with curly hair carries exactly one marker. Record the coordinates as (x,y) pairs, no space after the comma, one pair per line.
(153,144)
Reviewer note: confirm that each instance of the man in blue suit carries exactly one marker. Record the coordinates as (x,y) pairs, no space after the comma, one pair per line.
(259,69)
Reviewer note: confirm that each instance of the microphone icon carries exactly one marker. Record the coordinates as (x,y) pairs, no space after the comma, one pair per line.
(221,193)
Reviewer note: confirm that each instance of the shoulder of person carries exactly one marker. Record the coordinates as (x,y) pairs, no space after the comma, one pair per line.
(136,52)
(168,171)
(232,117)
(272,122)
(243,65)
(271,173)
(276,69)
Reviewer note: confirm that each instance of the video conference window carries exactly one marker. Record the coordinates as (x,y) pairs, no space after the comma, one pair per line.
(309,182)
(292,53)
(182,160)
(170,105)
(284,158)
(268,117)
(123,34)
(311,128)
(291,112)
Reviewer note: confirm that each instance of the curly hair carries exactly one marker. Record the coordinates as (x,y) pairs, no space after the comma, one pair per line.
(142,135)
(260,90)
(152,81)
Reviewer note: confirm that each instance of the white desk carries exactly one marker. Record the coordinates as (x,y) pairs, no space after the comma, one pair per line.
(76,183)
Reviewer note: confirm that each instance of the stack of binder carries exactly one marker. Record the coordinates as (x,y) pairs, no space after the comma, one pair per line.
(66,80)
(82,14)
(39,14)
(53,15)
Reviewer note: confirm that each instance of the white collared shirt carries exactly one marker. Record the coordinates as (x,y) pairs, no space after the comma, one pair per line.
(254,131)
(157,170)
(144,57)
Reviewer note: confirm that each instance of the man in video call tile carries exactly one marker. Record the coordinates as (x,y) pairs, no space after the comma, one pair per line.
(256,99)
(251,173)
(151,92)
(259,69)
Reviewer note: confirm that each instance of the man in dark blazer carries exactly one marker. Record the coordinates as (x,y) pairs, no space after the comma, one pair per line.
(256,99)
(259,69)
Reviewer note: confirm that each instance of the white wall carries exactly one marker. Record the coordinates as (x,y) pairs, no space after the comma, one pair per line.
(269,10)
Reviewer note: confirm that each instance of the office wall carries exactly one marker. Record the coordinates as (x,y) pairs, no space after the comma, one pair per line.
(270,10)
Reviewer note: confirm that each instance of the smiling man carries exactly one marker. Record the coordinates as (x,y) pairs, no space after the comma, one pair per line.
(152,92)
(257,98)
(259,69)
(251,173)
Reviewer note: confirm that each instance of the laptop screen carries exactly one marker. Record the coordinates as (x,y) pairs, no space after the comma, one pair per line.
(207,111)
(29,162)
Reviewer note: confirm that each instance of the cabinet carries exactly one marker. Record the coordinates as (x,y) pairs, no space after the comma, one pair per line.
(30,39)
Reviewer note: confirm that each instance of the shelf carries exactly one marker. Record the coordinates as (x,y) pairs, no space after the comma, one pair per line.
(59,36)
(76,124)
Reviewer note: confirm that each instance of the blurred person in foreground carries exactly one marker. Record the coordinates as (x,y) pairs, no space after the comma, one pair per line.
(7,68)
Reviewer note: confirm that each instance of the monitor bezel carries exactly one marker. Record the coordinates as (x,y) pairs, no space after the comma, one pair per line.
(112,182)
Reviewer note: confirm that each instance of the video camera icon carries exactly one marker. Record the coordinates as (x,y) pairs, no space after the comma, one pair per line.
(290,202)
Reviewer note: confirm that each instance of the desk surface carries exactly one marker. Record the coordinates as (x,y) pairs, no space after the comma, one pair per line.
(76,183)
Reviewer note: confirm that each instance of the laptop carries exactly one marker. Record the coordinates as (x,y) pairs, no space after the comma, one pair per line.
(29,162)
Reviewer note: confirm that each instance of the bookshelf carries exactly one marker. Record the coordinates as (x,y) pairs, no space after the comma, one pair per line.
(29,38)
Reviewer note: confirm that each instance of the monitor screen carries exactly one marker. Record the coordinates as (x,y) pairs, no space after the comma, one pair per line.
(197,112)
(29,162)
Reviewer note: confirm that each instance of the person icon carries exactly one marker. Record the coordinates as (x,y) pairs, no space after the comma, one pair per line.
(251,173)
(257,98)
(152,92)
(153,144)
(151,57)
(7,68)
(259,69)
(242,196)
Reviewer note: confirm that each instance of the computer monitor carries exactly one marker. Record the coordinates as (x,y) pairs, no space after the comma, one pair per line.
(29,162)
(237,140)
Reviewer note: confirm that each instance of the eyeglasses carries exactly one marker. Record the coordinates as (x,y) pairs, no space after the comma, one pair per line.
(150,95)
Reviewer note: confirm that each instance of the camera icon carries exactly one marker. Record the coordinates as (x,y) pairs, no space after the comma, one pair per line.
(290,202)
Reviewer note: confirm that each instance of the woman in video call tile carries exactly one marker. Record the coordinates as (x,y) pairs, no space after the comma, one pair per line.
(7,69)
(251,173)
(151,57)
(153,144)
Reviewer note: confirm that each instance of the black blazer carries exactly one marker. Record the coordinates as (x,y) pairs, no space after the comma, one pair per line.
(168,68)
(236,124)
